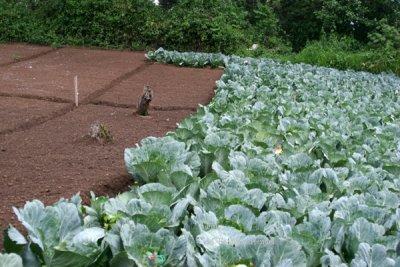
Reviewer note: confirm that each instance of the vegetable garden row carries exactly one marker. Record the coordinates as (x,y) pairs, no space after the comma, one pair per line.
(289,165)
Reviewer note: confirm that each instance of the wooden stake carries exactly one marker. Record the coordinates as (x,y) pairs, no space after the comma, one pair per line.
(76,91)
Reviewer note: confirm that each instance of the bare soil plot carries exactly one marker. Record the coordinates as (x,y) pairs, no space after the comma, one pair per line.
(16,112)
(11,53)
(51,76)
(172,89)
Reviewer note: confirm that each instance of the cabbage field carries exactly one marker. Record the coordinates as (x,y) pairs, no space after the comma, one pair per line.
(289,165)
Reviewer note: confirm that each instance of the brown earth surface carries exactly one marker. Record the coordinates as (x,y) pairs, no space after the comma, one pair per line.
(45,151)
(51,76)
(16,112)
(168,93)
(11,53)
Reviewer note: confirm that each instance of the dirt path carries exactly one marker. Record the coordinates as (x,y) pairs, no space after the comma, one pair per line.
(44,151)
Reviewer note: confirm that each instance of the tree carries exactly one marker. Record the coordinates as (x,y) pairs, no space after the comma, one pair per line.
(299,20)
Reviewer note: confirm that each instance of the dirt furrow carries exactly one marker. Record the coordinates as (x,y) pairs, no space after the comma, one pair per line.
(134,106)
(34,56)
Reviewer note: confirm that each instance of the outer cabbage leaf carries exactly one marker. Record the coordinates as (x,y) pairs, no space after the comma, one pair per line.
(10,260)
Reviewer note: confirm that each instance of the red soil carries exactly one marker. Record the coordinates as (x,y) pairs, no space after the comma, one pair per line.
(11,53)
(17,111)
(168,92)
(45,152)
(52,75)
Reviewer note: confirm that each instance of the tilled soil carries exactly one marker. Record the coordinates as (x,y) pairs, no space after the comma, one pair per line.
(168,93)
(12,53)
(45,150)
(16,111)
(51,76)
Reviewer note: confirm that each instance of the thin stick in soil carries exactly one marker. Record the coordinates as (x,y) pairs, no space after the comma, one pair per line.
(76,91)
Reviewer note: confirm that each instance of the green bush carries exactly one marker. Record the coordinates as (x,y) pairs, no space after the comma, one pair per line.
(299,20)
(358,18)
(338,52)
(347,53)
(206,25)
(105,23)
(167,3)
(18,24)
(214,25)
(385,35)
(265,23)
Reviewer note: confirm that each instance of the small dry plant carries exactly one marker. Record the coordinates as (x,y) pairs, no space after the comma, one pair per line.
(16,57)
(100,132)
(144,101)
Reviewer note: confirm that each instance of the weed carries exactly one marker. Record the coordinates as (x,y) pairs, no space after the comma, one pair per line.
(16,57)
(101,133)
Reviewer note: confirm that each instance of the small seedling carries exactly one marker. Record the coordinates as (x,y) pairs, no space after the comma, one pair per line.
(16,57)
(144,101)
(100,132)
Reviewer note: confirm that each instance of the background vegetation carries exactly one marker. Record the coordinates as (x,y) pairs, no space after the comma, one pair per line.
(358,34)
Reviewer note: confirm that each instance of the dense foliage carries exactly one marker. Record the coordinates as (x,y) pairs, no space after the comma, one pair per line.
(281,28)
(212,25)
(346,53)
(289,165)
(119,23)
